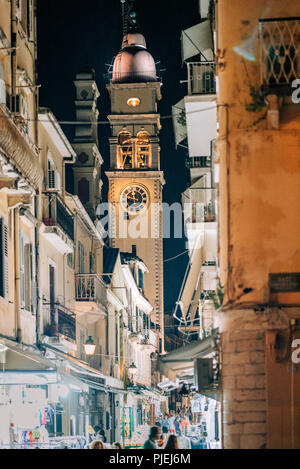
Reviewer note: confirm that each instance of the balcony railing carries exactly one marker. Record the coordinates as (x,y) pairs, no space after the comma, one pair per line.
(57,213)
(198,162)
(90,287)
(62,322)
(279,52)
(201,78)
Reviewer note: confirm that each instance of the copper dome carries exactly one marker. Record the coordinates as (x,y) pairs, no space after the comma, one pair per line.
(134,63)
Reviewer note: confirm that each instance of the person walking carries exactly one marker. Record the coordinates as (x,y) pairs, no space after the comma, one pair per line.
(153,437)
(172,442)
(165,425)
(97,444)
(177,425)
(184,423)
(117,446)
(171,421)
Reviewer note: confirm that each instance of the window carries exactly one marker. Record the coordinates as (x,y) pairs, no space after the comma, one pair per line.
(53,176)
(3,259)
(80,258)
(279,42)
(141,279)
(92,263)
(70,260)
(134,153)
(2,85)
(25,12)
(27,274)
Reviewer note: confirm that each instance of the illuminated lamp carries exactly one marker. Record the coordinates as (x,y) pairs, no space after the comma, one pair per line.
(132,369)
(134,102)
(89,346)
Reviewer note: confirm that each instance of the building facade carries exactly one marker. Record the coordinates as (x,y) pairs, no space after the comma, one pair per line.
(68,303)
(257,52)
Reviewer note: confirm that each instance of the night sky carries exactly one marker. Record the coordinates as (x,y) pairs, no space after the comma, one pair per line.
(71,33)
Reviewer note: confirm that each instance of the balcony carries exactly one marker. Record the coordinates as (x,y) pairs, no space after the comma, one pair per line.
(91,295)
(150,339)
(198,162)
(279,54)
(59,223)
(202,213)
(61,329)
(23,155)
(201,78)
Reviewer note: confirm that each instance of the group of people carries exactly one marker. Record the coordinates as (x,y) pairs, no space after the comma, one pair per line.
(172,429)
(97,444)
(168,433)
(156,440)
(174,424)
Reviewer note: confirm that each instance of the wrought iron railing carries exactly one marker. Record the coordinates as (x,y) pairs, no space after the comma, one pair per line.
(201,78)
(279,51)
(149,338)
(198,162)
(90,287)
(56,212)
(62,322)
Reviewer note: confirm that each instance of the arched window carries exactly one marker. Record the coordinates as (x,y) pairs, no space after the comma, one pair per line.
(143,150)
(133,153)
(126,154)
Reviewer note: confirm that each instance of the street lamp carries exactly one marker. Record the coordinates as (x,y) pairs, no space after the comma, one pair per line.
(132,369)
(89,346)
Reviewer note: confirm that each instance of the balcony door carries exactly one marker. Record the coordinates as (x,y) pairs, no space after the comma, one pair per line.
(53,309)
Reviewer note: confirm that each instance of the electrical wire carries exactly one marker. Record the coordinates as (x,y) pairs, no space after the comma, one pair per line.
(175,257)
(62,122)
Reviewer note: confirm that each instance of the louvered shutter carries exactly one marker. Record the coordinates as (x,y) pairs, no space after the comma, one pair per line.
(5,255)
(22,272)
(33,278)
(2,276)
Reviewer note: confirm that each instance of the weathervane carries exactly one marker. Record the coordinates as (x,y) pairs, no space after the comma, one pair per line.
(129,19)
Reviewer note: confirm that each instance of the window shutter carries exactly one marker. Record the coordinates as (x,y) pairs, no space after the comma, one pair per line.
(22,272)
(33,278)
(51,178)
(5,254)
(2,288)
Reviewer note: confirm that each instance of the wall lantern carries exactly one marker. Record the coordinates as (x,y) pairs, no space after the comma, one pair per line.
(132,369)
(134,102)
(89,346)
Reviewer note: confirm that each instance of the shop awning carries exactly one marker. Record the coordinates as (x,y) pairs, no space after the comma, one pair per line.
(88,375)
(179,122)
(22,367)
(197,40)
(180,362)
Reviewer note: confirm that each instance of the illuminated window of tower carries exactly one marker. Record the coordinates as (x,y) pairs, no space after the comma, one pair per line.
(142,150)
(126,155)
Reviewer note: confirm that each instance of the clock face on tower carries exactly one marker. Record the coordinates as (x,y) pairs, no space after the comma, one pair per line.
(134,199)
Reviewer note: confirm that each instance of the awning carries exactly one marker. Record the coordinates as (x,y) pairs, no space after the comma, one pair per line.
(201,122)
(179,122)
(88,375)
(21,367)
(197,40)
(180,362)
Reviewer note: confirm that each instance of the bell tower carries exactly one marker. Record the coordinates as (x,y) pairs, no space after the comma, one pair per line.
(135,178)
(87,169)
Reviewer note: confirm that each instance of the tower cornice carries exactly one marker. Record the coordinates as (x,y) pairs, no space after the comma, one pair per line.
(136,175)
